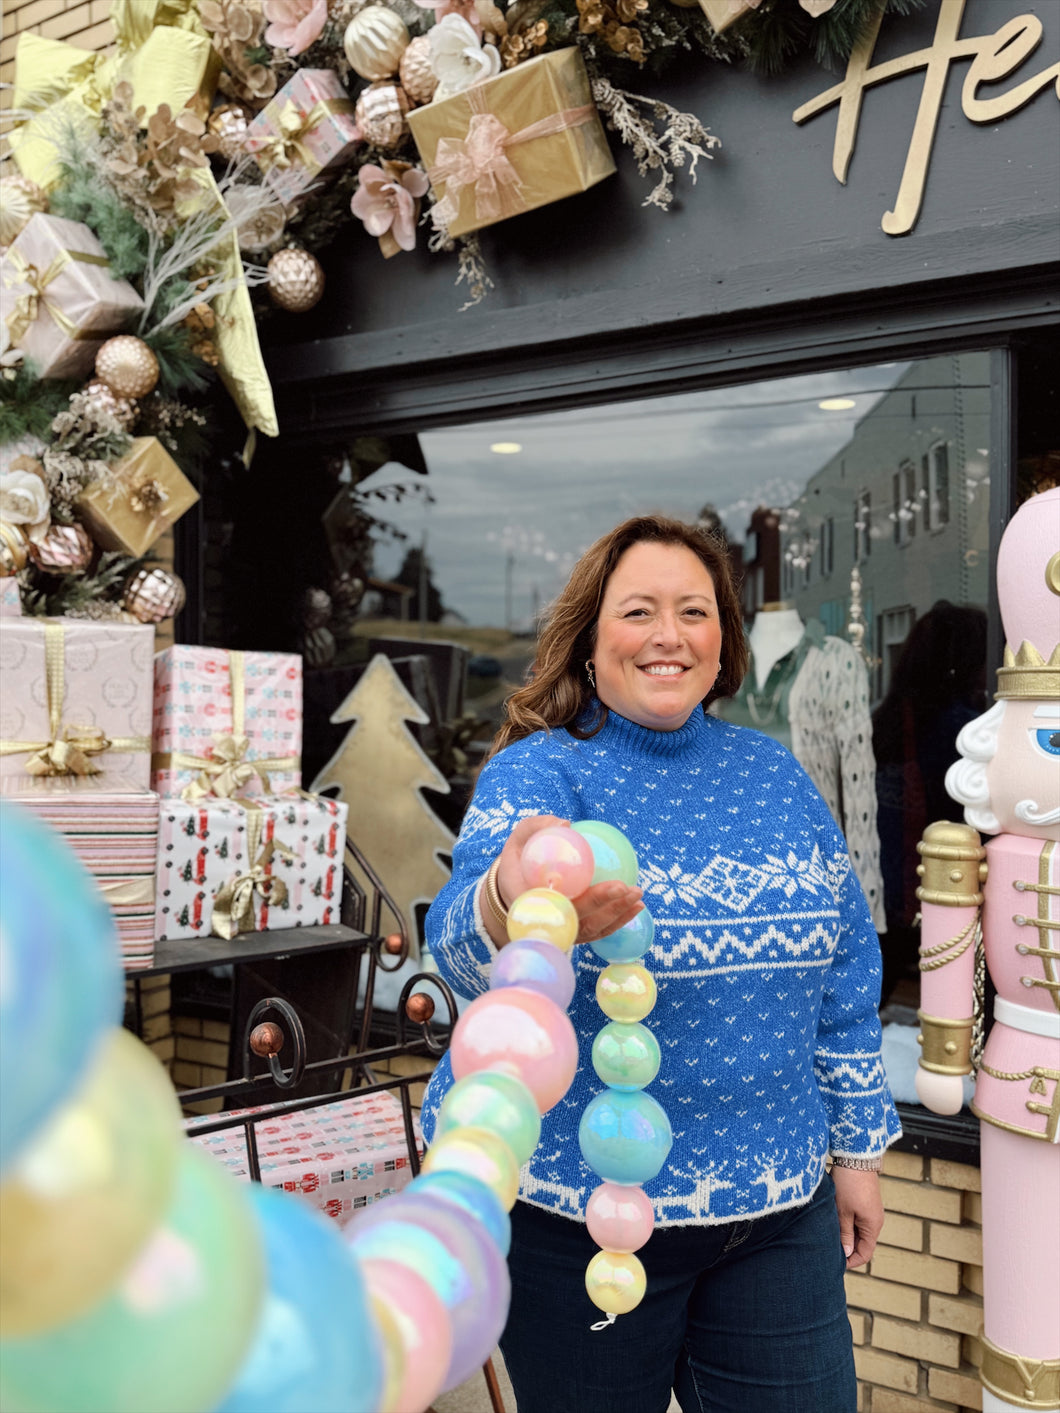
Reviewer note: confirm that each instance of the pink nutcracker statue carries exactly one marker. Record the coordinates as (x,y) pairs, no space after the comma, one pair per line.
(1009,782)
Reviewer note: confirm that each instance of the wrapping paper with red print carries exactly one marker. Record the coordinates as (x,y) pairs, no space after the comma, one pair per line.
(307,129)
(102,680)
(341,1157)
(194,702)
(114,832)
(203,845)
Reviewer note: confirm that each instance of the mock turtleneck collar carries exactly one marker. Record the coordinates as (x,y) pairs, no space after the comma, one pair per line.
(632,739)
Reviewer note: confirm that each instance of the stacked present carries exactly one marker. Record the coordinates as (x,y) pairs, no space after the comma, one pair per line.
(75,748)
(307,129)
(241,846)
(342,1156)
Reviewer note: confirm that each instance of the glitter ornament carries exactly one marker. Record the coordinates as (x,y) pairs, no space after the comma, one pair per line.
(374,42)
(14,549)
(296,280)
(417,77)
(101,398)
(19,200)
(153,595)
(127,366)
(381,115)
(228,123)
(65,549)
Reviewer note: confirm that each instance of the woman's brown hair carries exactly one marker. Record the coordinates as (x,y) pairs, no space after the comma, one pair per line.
(558,693)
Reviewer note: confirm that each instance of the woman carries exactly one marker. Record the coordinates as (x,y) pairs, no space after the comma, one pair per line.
(767,967)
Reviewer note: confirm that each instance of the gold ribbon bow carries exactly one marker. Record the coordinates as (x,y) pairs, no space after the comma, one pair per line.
(480,160)
(28,304)
(226,770)
(68,749)
(290,129)
(233,907)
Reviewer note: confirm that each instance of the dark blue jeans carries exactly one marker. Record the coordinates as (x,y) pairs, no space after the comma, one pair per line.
(749,1317)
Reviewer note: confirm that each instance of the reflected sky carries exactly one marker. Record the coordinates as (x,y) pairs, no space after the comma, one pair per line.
(505,529)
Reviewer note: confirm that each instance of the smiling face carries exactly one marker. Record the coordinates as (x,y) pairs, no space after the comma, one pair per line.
(658,637)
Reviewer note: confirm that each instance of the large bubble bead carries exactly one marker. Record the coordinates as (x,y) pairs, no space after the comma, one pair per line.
(539,965)
(618,1217)
(497,1101)
(626,991)
(614,859)
(558,858)
(546,915)
(423,1327)
(479,1153)
(615,1282)
(628,943)
(518,1032)
(625,1138)
(472,1196)
(626,1056)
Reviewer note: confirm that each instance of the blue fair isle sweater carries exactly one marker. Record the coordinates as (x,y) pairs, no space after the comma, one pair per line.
(766,960)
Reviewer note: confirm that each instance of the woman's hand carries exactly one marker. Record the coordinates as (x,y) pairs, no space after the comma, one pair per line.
(860,1207)
(602,908)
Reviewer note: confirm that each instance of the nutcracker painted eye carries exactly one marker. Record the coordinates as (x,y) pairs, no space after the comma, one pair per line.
(1046,739)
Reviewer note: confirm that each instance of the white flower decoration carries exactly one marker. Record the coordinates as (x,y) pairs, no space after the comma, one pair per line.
(24,501)
(458,59)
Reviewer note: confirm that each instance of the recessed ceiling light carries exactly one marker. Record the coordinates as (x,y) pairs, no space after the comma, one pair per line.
(837,404)
(506,448)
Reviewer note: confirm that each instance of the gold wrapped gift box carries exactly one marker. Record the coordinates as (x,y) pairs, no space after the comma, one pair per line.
(146,494)
(521,140)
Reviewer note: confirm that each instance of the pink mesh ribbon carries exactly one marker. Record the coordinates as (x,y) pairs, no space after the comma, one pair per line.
(480,160)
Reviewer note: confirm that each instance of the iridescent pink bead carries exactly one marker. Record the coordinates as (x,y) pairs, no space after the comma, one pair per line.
(619,1218)
(519,1032)
(558,858)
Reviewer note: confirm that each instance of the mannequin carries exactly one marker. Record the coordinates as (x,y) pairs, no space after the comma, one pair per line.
(810,692)
(1009,783)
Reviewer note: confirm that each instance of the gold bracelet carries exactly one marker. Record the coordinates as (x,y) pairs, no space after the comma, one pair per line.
(490,899)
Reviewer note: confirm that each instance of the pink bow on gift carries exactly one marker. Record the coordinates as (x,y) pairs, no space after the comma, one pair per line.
(480,160)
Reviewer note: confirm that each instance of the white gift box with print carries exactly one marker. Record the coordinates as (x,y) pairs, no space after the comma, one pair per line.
(342,1157)
(220,861)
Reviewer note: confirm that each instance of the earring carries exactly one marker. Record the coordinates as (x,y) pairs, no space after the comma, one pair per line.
(589,673)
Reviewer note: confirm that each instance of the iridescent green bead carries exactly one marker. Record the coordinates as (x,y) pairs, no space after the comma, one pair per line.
(626,1056)
(497,1101)
(625,991)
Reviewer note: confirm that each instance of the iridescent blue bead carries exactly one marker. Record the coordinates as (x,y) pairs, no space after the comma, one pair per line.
(471,1196)
(625,1137)
(630,942)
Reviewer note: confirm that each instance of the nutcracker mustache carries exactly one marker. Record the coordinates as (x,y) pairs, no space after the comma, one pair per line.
(1030,813)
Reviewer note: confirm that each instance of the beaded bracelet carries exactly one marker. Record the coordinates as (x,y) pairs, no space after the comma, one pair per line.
(863,1165)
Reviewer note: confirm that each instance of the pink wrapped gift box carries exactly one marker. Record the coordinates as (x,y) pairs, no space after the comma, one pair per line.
(207,844)
(215,708)
(10,598)
(307,129)
(342,1157)
(60,301)
(114,834)
(72,689)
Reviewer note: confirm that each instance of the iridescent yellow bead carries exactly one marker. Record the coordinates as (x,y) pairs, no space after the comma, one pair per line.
(625,991)
(480,1153)
(615,1281)
(544,914)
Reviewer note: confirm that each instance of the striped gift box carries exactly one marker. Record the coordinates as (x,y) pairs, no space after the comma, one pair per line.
(115,835)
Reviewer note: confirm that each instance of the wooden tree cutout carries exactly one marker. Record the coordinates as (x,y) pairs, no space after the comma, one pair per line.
(380,771)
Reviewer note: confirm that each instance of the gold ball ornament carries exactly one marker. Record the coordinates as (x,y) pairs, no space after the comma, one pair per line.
(65,549)
(380,115)
(153,595)
(14,549)
(374,42)
(229,123)
(127,366)
(417,77)
(101,398)
(19,200)
(296,280)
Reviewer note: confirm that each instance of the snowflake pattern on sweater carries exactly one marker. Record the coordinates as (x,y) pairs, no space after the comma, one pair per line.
(765,956)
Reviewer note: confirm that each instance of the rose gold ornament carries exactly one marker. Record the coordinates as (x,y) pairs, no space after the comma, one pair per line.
(65,549)
(101,398)
(153,594)
(296,280)
(380,114)
(14,549)
(19,200)
(418,79)
(266,1039)
(374,42)
(228,123)
(127,366)
(419,1008)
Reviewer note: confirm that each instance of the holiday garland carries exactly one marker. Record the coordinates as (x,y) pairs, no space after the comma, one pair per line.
(194,162)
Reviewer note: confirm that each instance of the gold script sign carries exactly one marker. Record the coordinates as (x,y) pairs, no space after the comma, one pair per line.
(994,57)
